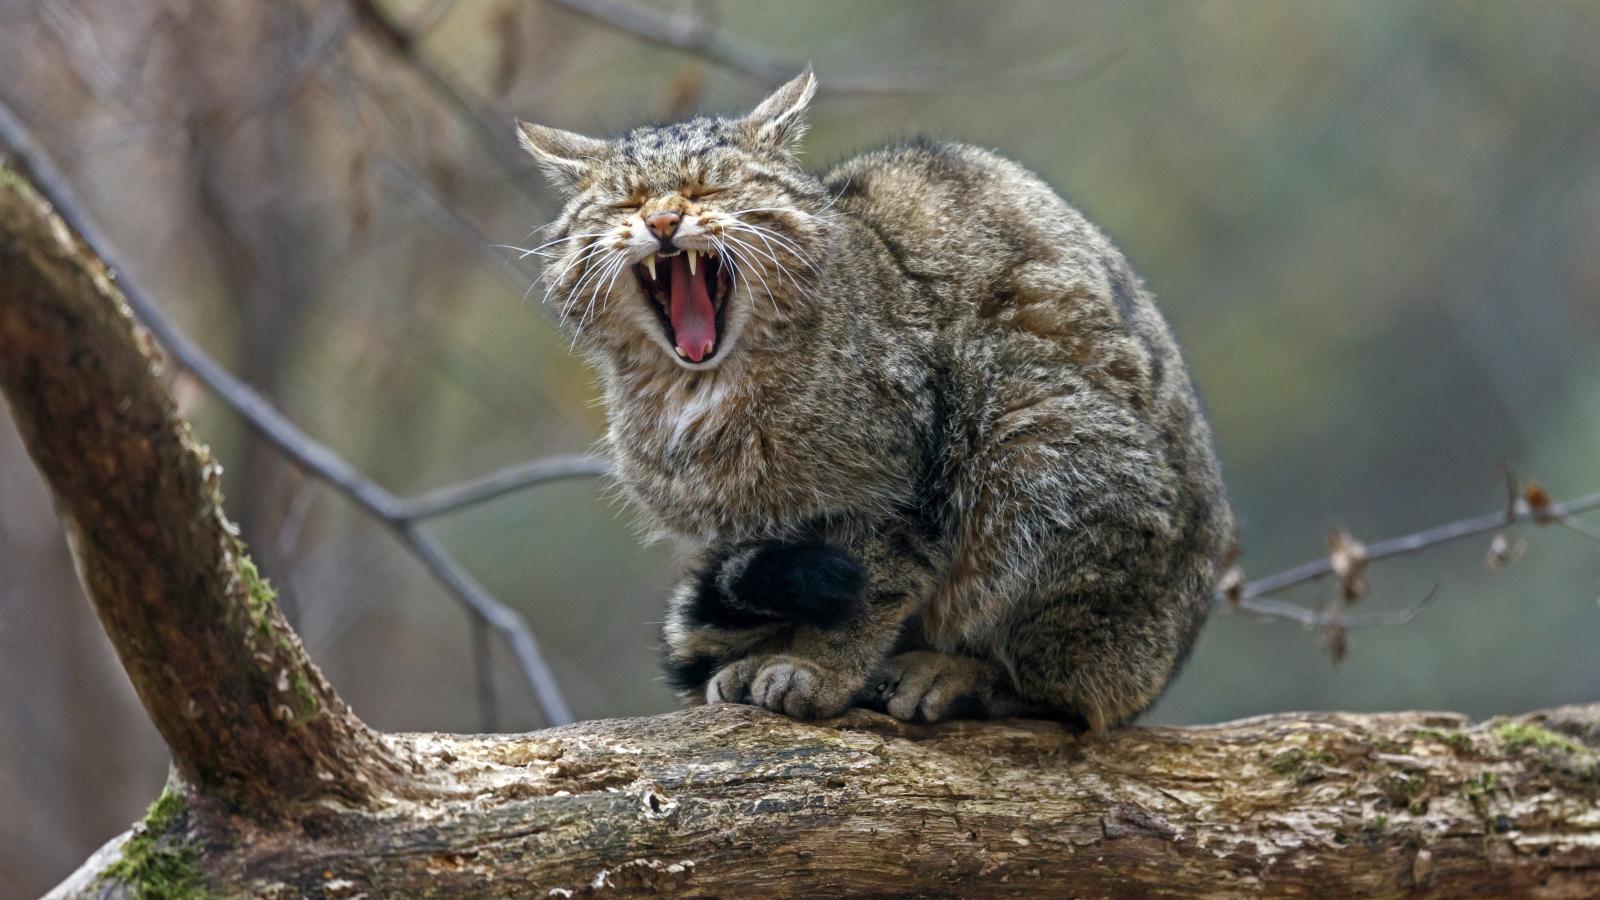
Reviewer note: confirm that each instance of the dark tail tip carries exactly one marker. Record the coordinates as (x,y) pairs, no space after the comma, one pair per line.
(767,582)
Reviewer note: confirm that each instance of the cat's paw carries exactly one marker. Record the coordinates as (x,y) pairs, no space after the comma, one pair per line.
(785,684)
(931,687)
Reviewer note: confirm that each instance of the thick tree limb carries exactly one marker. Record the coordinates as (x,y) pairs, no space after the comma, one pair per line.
(274,427)
(223,677)
(283,792)
(737,802)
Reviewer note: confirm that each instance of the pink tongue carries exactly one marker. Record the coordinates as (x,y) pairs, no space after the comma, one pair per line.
(694,322)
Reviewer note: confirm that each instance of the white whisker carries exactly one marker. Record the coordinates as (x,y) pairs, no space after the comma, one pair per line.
(772,255)
(527,252)
(612,264)
(586,254)
(736,254)
(593,271)
(783,241)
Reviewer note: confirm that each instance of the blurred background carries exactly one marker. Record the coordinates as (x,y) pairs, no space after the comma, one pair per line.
(1374,226)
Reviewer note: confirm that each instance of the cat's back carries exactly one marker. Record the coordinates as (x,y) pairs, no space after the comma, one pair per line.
(1039,309)
(1017,278)
(957,215)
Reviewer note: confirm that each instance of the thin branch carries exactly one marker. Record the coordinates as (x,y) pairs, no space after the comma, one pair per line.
(483,674)
(1432,537)
(264,419)
(693,35)
(1313,618)
(497,484)
(1253,596)
(488,125)
(450,219)
(497,614)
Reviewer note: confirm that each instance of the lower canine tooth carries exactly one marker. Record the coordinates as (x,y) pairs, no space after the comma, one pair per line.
(681,353)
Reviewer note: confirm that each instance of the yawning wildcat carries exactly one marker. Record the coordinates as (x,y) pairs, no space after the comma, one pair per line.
(930,442)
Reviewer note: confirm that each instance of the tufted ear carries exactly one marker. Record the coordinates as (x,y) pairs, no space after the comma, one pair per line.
(565,156)
(780,120)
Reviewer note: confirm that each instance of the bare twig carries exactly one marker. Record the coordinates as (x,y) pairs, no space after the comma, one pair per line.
(306,452)
(1323,618)
(1252,596)
(693,35)
(483,673)
(497,484)
(1421,540)
(488,126)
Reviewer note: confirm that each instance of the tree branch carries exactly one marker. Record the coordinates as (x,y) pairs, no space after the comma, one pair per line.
(732,801)
(1519,513)
(1527,503)
(140,504)
(265,420)
(693,35)
(453,498)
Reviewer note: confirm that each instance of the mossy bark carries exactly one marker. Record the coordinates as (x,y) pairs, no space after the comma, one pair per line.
(280,791)
(737,802)
(226,681)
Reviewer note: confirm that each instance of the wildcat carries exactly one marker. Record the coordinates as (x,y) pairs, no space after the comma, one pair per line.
(931,445)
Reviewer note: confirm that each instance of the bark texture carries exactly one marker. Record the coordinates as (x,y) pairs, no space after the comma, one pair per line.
(731,801)
(280,791)
(246,714)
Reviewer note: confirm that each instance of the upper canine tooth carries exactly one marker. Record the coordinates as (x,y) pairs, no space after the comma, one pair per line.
(650,266)
(692,255)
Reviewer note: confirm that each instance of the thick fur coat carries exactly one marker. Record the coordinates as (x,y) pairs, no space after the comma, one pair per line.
(930,443)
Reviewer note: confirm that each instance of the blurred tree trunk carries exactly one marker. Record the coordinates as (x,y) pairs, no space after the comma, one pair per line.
(279,790)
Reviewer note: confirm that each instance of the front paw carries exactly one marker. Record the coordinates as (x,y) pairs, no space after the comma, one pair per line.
(924,686)
(786,684)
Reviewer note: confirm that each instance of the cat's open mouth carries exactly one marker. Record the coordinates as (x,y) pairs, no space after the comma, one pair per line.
(689,291)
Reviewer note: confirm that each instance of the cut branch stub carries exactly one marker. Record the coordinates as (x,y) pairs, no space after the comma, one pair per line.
(246,715)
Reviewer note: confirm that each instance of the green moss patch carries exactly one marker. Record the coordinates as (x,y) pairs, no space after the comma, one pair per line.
(1518,735)
(1303,766)
(10,179)
(1455,740)
(157,860)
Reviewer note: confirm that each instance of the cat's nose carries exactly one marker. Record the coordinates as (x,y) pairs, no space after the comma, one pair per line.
(663,224)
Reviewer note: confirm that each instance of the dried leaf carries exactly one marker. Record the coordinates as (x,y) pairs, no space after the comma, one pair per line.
(1538,501)
(1348,557)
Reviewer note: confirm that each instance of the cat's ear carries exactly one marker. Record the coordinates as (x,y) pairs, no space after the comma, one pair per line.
(565,156)
(780,120)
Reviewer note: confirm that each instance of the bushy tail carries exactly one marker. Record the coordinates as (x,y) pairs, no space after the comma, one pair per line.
(775,581)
